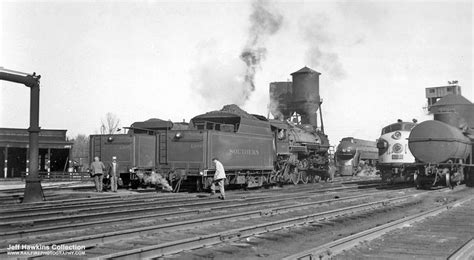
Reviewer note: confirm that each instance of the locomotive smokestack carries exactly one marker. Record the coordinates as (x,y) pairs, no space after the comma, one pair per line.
(306,97)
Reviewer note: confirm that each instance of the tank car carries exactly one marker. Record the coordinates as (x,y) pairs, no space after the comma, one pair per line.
(354,155)
(396,162)
(443,147)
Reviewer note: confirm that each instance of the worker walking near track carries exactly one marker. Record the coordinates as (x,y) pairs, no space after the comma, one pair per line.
(219,178)
(97,169)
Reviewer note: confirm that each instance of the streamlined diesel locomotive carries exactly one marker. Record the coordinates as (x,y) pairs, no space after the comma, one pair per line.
(352,154)
(396,163)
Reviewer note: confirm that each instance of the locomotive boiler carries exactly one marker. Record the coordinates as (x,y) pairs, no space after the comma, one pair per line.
(444,146)
(353,155)
(297,103)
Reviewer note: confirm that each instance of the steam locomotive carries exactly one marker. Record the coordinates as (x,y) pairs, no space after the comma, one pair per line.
(396,162)
(443,147)
(352,154)
(253,149)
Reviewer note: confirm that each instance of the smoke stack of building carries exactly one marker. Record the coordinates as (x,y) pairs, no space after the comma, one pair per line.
(301,96)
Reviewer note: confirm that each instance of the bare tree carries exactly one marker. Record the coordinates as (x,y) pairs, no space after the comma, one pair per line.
(110,125)
(80,151)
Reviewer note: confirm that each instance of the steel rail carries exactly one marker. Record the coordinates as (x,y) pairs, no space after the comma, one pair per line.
(17,194)
(174,247)
(464,252)
(87,205)
(91,240)
(45,204)
(83,200)
(68,226)
(330,249)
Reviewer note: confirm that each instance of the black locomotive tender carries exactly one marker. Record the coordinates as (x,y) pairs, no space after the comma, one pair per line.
(255,150)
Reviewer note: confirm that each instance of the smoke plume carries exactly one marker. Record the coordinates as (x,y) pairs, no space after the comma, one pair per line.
(223,79)
(264,22)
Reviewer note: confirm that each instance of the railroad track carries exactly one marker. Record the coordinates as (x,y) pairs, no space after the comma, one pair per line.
(112,200)
(332,249)
(62,221)
(264,225)
(15,196)
(266,218)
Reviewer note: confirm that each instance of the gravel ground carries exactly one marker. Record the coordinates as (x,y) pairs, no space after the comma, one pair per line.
(277,245)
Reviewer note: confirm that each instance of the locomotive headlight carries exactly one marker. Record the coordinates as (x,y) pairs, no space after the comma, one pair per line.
(397,148)
(397,135)
(178,135)
(382,144)
(110,139)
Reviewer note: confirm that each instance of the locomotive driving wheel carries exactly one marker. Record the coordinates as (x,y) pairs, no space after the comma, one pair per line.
(286,176)
(304,177)
(449,183)
(295,176)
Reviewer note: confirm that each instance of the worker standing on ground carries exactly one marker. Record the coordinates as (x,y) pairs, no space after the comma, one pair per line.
(219,178)
(98,168)
(113,174)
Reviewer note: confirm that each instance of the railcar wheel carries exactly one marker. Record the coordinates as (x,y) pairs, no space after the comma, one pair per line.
(286,177)
(134,184)
(304,177)
(416,179)
(448,181)
(295,177)
(199,185)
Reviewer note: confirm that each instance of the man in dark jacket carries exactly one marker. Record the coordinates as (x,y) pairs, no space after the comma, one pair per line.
(97,169)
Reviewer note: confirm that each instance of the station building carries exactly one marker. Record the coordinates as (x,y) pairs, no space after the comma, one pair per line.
(54,152)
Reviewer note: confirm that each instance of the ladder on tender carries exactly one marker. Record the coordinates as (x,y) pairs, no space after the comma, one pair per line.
(163,147)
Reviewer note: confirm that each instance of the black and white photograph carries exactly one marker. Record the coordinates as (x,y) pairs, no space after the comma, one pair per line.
(240,129)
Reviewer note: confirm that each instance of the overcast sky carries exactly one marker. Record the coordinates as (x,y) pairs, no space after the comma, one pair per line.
(174,60)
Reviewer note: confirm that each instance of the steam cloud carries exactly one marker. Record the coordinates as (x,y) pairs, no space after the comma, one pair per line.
(319,40)
(273,107)
(224,80)
(264,22)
